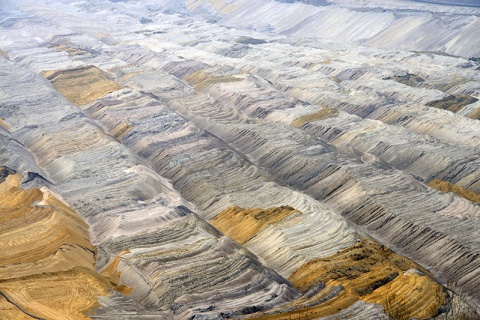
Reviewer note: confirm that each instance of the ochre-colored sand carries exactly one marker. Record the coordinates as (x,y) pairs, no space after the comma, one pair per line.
(57,295)
(475,114)
(113,276)
(46,258)
(4,125)
(10,311)
(121,130)
(242,224)
(82,85)
(324,113)
(445,186)
(407,296)
(367,271)
(200,80)
(71,50)
(4,54)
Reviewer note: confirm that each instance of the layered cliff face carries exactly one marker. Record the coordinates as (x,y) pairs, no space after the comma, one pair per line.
(231,173)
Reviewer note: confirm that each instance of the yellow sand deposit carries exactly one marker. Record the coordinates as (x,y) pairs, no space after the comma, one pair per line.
(70,49)
(46,258)
(366,271)
(200,80)
(475,114)
(4,54)
(121,130)
(242,224)
(4,125)
(324,113)
(445,186)
(82,85)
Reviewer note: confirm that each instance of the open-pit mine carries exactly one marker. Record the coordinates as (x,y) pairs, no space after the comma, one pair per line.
(241,159)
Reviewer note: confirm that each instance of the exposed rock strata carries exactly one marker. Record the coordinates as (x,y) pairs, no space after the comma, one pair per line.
(145,230)
(191,122)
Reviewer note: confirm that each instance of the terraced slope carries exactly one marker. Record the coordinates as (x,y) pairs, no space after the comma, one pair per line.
(225,172)
(148,229)
(47,261)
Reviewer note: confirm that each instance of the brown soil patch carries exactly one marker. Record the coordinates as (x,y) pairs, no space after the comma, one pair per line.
(453,103)
(242,224)
(408,79)
(324,113)
(446,187)
(200,80)
(82,85)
